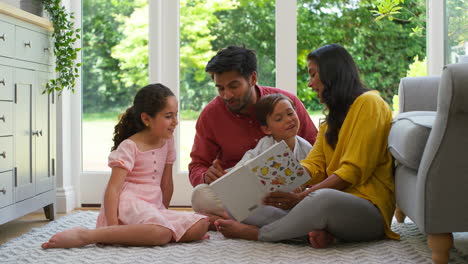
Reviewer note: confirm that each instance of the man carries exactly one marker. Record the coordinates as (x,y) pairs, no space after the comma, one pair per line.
(227,128)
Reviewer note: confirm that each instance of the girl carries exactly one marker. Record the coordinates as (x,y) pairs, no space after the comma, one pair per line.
(134,211)
(352,196)
(277,116)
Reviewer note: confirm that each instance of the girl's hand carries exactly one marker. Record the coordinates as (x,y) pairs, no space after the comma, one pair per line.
(283,200)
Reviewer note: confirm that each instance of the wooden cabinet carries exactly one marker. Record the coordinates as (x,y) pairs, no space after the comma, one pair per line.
(27,120)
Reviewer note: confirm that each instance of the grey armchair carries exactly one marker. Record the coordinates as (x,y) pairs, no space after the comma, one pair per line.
(429,141)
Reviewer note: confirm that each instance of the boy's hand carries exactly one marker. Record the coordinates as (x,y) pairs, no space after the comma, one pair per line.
(214,172)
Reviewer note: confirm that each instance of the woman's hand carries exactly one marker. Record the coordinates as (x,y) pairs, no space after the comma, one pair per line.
(283,200)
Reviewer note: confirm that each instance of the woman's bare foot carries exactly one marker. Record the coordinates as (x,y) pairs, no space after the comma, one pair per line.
(320,239)
(70,238)
(234,229)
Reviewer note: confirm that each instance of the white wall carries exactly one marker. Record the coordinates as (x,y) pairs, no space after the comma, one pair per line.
(69,135)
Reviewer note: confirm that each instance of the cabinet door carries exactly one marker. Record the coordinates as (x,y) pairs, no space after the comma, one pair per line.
(40,137)
(6,83)
(24,83)
(7,39)
(6,188)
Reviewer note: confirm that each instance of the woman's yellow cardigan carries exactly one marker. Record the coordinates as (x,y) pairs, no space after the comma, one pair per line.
(360,156)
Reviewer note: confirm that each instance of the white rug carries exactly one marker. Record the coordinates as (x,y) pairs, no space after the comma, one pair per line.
(26,249)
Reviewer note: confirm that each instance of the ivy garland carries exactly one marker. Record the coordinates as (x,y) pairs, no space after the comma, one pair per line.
(65,36)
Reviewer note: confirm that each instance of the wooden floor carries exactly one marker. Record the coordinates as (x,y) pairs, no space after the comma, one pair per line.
(22,225)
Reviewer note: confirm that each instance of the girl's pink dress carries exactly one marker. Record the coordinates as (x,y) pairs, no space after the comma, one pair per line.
(141,196)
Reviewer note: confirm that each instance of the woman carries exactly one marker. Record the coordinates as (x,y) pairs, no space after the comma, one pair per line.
(351,194)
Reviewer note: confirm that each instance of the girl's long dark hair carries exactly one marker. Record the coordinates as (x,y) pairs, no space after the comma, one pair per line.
(342,85)
(150,99)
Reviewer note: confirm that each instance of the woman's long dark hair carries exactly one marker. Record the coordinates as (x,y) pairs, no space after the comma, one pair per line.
(342,85)
(150,99)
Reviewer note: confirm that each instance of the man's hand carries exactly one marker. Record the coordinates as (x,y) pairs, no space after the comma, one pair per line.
(214,172)
(283,200)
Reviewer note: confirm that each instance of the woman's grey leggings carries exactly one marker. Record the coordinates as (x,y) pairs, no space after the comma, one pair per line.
(345,216)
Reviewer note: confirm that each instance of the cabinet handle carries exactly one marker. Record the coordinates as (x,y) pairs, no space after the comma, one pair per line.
(3,82)
(3,154)
(3,118)
(3,190)
(27,44)
(37,133)
(3,37)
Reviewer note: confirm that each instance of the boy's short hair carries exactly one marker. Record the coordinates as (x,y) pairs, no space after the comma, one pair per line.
(265,106)
(233,58)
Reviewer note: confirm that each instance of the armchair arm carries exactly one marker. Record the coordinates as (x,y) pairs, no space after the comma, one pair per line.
(442,180)
(418,93)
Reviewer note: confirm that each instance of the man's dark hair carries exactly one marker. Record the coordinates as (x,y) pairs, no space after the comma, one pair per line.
(233,58)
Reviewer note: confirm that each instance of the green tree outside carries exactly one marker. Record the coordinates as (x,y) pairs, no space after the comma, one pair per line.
(103,88)
(116,57)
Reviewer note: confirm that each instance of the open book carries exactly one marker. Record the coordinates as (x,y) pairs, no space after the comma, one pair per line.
(242,189)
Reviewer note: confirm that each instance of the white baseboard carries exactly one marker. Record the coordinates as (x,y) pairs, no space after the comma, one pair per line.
(66,201)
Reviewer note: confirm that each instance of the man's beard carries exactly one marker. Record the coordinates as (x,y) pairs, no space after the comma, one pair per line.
(243,102)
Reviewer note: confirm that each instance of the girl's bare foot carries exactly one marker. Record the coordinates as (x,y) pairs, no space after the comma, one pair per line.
(234,229)
(320,239)
(70,238)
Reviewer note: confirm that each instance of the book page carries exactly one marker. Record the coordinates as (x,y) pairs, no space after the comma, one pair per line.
(239,191)
(277,169)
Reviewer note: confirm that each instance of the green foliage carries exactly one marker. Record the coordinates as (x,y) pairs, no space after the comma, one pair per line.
(132,51)
(116,59)
(397,10)
(103,87)
(65,36)
(251,24)
(417,68)
(383,50)
(196,17)
(189,114)
(101,116)
(395,104)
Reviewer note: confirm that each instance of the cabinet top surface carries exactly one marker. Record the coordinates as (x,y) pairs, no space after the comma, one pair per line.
(25,16)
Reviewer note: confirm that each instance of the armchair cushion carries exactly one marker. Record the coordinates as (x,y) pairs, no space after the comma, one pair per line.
(408,136)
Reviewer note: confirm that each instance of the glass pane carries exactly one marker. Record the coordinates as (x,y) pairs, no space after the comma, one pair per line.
(205,27)
(383,49)
(115,66)
(457,35)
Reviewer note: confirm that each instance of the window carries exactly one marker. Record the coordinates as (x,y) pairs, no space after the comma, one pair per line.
(205,27)
(115,66)
(457,31)
(385,50)
(173,45)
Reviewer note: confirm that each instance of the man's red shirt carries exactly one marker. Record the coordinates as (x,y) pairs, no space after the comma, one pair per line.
(224,135)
